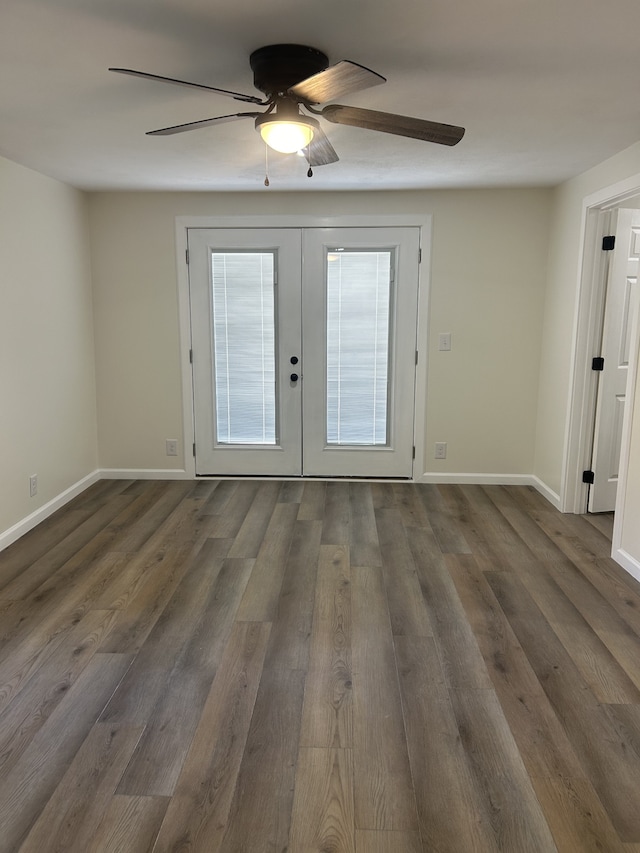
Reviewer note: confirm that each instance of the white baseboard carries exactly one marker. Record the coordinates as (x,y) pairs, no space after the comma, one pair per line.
(629,563)
(144,474)
(479,479)
(546,492)
(493,480)
(28,523)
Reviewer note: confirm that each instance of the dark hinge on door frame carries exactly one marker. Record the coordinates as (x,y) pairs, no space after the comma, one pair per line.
(608,243)
(597,363)
(194,450)
(588,477)
(186,256)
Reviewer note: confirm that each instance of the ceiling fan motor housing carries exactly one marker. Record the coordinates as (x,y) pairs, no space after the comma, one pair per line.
(277,67)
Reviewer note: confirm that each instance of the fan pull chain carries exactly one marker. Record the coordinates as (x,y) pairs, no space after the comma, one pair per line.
(266,165)
(309,170)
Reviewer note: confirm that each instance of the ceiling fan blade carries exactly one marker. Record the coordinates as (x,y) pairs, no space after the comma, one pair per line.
(196,125)
(416,128)
(320,152)
(337,80)
(249,99)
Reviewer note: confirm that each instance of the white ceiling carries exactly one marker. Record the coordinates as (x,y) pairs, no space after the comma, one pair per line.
(545,89)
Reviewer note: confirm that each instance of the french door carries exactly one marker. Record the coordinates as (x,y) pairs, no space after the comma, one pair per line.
(304,346)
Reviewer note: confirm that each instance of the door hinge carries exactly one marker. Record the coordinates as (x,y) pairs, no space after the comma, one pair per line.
(194,449)
(588,477)
(414,452)
(190,356)
(416,356)
(597,363)
(420,255)
(608,243)
(186,256)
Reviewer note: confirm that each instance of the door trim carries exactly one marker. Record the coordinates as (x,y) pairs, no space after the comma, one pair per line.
(183,223)
(586,330)
(574,494)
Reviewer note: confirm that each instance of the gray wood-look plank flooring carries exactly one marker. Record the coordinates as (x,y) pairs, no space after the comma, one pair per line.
(243,666)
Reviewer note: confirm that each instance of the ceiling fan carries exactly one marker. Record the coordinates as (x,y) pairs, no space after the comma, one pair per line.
(292,77)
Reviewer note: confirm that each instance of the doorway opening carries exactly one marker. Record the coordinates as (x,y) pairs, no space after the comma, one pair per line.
(602,213)
(303,346)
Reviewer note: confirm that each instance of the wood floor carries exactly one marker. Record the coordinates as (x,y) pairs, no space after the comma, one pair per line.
(305,666)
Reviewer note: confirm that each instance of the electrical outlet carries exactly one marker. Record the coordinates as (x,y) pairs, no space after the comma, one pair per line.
(441,450)
(172,446)
(33,485)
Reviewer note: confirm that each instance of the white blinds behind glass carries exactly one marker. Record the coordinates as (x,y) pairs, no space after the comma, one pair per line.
(358,308)
(244,347)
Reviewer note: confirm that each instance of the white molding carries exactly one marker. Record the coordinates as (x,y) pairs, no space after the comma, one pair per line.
(184,326)
(587,326)
(144,474)
(39,515)
(628,563)
(614,194)
(492,480)
(546,492)
(482,479)
(422,345)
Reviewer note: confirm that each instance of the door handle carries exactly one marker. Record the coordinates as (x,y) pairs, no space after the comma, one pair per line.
(294,377)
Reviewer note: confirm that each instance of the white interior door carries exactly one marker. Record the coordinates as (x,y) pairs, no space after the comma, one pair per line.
(612,383)
(304,350)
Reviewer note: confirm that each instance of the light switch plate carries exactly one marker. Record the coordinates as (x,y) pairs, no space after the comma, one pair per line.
(444,341)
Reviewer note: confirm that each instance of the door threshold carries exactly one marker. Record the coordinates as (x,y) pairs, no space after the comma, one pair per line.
(304,477)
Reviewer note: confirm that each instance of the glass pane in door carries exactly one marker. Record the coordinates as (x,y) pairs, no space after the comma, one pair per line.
(244,347)
(358,346)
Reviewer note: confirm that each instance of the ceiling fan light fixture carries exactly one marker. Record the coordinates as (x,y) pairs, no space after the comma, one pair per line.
(286,135)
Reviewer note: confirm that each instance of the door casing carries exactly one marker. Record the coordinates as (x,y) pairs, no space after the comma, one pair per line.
(184,223)
(574,492)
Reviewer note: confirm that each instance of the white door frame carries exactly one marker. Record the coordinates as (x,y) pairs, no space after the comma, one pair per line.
(183,223)
(587,330)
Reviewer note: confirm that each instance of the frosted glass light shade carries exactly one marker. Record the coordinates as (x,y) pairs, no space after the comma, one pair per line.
(286,136)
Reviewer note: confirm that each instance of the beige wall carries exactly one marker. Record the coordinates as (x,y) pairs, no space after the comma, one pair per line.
(487,288)
(47,381)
